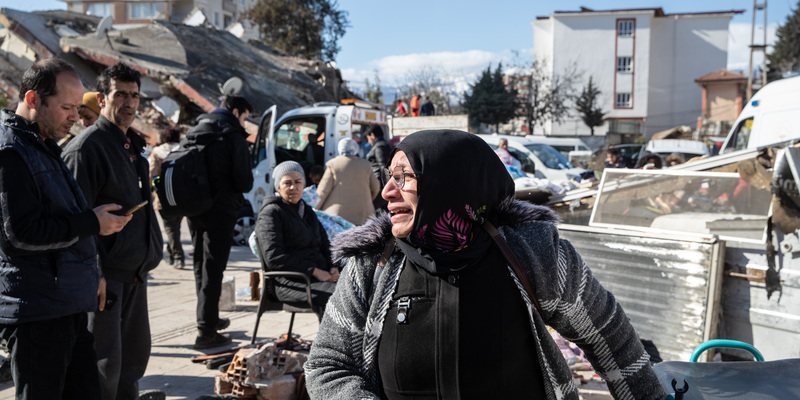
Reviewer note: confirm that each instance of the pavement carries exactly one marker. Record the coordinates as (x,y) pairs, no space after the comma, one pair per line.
(172,303)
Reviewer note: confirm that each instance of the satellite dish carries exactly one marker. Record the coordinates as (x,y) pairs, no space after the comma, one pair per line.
(104,26)
(232,86)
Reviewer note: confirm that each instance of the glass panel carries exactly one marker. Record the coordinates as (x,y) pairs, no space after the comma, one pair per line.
(99,9)
(683,201)
(145,10)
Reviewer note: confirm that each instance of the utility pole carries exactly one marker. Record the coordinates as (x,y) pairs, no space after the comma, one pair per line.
(757,47)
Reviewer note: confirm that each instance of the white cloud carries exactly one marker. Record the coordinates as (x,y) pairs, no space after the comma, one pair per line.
(739,45)
(459,68)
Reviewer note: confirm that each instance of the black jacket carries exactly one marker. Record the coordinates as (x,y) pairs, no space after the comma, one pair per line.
(48,251)
(378,158)
(291,243)
(227,159)
(110,169)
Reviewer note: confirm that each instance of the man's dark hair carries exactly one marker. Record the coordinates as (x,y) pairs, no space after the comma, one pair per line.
(41,78)
(119,72)
(613,151)
(377,131)
(238,103)
(170,134)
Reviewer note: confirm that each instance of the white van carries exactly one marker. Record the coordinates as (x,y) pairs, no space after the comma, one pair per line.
(573,148)
(548,162)
(771,116)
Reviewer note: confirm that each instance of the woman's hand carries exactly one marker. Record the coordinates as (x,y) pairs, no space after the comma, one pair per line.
(325,276)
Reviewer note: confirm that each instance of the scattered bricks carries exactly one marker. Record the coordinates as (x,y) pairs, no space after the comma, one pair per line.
(221,386)
(269,362)
(237,371)
(244,392)
(283,388)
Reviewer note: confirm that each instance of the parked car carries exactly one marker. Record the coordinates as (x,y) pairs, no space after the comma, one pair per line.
(687,149)
(628,152)
(576,151)
(548,162)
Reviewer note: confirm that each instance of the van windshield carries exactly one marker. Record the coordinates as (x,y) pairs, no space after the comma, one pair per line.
(549,156)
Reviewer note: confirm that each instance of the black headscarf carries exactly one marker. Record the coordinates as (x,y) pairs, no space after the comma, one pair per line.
(460,182)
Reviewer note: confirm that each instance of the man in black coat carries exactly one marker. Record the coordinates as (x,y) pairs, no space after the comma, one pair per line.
(222,134)
(378,158)
(49,278)
(106,160)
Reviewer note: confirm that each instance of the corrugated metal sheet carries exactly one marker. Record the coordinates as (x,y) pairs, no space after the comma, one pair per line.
(668,286)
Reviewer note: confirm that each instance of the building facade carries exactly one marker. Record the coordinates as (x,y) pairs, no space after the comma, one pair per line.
(218,13)
(643,61)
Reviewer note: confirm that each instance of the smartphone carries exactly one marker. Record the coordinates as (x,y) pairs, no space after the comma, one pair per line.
(134,208)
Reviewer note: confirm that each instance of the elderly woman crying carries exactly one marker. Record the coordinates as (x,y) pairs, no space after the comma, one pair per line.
(448,296)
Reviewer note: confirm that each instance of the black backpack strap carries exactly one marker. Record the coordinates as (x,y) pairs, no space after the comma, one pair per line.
(512,260)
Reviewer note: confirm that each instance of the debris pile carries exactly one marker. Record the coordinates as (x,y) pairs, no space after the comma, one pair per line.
(266,373)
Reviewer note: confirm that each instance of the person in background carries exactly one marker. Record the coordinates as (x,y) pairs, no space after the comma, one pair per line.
(291,238)
(348,185)
(427,108)
(48,236)
(401,109)
(415,105)
(89,110)
(378,158)
(649,160)
(613,160)
(106,160)
(169,138)
(229,173)
(674,159)
(315,174)
(506,157)
(424,287)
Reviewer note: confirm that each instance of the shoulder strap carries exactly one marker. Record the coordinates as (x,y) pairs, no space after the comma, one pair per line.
(513,261)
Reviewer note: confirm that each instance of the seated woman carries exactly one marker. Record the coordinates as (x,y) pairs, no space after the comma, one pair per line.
(432,305)
(291,238)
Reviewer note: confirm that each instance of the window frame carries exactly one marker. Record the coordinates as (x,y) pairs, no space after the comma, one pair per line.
(626,28)
(623,103)
(624,64)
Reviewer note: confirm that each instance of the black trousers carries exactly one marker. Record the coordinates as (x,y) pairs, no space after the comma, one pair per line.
(53,359)
(172,227)
(295,292)
(212,236)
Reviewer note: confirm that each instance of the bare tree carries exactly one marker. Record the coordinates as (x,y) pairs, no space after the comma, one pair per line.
(428,81)
(549,97)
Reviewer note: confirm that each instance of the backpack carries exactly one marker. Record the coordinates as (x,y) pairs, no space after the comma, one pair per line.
(183,186)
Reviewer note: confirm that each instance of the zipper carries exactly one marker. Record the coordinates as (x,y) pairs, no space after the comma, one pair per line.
(403,305)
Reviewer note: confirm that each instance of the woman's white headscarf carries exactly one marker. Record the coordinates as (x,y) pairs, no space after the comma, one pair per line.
(347,147)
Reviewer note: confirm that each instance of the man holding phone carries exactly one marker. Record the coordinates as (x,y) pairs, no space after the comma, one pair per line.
(49,278)
(107,162)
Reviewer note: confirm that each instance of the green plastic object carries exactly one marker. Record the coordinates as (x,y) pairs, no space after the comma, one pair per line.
(731,344)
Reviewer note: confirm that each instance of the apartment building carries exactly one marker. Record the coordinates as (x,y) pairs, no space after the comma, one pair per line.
(644,61)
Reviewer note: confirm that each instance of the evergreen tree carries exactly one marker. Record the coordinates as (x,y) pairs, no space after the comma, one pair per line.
(785,54)
(303,28)
(490,102)
(586,105)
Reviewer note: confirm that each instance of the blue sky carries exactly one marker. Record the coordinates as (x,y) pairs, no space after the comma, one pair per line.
(461,38)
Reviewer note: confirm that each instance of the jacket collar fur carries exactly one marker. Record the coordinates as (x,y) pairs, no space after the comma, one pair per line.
(372,236)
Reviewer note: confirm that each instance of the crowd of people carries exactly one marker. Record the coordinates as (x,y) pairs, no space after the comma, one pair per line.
(418,107)
(432,227)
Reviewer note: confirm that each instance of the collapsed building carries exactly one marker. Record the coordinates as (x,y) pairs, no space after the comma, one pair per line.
(183,67)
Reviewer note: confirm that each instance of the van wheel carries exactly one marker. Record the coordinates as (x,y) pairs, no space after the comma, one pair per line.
(245,224)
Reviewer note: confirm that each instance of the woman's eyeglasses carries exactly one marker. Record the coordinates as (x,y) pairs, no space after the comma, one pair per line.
(399,176)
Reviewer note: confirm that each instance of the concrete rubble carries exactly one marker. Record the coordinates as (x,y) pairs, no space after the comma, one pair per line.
(183,67)
(265,373)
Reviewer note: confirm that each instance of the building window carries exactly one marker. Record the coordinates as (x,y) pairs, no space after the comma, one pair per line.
(626,127)
(625,28)
(216,19)
(623,100)
(146,11)
(100,9)
(624,64)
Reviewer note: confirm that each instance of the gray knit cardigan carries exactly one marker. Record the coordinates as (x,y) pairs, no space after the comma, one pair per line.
(343,359)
